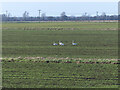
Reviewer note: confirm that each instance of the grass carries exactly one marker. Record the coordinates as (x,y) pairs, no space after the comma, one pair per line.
(82,25)
(91,43)
(59,75)
(95,41)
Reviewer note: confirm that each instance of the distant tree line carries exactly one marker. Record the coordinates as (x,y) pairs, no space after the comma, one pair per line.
(62,17)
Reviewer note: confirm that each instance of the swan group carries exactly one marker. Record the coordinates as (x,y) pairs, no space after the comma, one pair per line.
(62,44)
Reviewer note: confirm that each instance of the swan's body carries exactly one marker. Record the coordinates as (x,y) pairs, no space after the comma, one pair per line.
(60,43)
(74,43)
(55,44)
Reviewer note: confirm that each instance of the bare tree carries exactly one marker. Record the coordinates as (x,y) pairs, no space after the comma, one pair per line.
(103,14)
(43,16)
(97,13)
(63,16)
(25,15)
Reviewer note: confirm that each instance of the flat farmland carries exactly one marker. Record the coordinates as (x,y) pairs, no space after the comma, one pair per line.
(59,75)
(25,40)
(28,55)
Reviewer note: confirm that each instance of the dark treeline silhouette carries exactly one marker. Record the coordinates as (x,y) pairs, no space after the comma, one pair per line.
(62,17)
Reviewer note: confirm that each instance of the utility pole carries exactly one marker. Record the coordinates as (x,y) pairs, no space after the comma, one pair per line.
(39,15)
(97,15)
(6,15)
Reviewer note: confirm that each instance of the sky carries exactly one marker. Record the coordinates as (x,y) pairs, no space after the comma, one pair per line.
(59,0)
(56,8)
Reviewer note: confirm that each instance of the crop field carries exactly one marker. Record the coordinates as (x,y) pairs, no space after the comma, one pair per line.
(22,39)
(59,75)
(30,59)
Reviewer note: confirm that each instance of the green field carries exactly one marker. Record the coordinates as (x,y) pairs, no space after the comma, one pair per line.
(91,43)
(95,41)
(59,75)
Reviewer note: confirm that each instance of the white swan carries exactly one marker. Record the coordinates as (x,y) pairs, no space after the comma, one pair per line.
(74,43)
(61,44)
(55,44)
